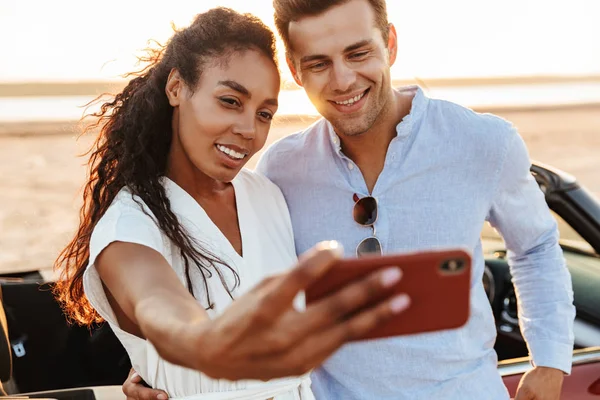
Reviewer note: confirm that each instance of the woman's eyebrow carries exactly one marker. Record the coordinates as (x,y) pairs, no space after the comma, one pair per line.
(235,86)
(238,87)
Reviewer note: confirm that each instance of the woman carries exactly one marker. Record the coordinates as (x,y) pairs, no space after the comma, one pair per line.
(173,229)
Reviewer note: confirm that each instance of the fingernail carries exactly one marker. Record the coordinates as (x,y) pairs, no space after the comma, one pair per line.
(161,396)
(399,303)
(335,246)
(134,376)
(390,276)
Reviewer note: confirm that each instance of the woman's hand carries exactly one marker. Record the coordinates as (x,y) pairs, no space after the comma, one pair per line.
(262,336)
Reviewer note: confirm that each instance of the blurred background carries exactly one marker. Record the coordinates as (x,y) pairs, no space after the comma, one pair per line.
(534,62)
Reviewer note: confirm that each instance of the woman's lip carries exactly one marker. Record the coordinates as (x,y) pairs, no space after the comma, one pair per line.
(229,161)
(235,148)
(354,107)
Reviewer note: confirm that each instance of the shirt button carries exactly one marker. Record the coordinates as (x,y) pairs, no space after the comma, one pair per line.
(350,166)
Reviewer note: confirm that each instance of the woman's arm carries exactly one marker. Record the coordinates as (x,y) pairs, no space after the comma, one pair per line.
(260,335)
(150,301)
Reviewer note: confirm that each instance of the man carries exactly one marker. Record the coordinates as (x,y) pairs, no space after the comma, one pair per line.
(436,172)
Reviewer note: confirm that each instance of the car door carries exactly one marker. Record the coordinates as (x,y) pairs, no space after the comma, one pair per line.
(582,384)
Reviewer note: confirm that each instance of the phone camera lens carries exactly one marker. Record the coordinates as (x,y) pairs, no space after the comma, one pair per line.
(452,266)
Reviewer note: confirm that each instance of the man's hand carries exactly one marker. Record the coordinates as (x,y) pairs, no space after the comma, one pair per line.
(135,389)
(541,383)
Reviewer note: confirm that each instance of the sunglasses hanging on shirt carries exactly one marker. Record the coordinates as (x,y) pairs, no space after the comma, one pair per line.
(365,214)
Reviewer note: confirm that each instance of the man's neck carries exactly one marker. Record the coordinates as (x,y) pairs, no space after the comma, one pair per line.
(368,150)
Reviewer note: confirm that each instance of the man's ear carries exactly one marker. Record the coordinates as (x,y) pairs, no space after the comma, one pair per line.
(293,70)
(174,88)
(392,43)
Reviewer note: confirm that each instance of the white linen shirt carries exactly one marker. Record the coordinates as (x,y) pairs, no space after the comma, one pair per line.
(268,248)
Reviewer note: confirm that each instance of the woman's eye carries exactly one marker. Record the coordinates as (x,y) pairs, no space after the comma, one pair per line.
(229,101)
(266,115)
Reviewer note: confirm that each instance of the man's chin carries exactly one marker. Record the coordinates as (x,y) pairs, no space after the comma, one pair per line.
(350,128)
(354,133)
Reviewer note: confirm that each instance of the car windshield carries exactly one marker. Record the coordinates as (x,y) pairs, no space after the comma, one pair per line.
(568,235)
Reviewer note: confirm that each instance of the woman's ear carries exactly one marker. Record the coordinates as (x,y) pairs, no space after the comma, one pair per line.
(174,88)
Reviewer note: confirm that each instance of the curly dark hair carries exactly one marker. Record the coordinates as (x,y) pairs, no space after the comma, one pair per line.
(133,144)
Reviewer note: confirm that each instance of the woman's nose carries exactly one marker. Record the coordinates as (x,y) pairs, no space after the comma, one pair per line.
(246,128)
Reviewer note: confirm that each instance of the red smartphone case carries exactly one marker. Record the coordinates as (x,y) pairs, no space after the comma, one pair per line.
(438,283)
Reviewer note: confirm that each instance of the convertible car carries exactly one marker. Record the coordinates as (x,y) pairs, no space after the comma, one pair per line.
(578,215)
(41,353)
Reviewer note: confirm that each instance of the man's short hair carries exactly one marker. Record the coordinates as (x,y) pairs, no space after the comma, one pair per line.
(287,11)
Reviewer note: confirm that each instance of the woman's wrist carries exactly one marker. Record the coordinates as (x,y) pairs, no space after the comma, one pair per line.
(192,340)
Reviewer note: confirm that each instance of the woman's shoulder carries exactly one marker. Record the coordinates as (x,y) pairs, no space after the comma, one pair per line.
(257,183)
(128,219)
(126,203)
(264,194)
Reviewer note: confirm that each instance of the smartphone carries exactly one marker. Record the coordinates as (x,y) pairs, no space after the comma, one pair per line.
(438,283)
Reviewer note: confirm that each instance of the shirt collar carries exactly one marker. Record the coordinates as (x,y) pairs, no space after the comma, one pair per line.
(404,128)
(418,106)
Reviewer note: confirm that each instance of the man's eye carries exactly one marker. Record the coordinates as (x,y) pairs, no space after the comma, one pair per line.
(359,55)
(318,66)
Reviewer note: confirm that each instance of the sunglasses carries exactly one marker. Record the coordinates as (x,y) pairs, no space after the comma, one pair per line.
(365,214)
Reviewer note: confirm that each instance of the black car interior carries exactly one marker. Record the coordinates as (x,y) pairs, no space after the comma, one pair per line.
(37,346)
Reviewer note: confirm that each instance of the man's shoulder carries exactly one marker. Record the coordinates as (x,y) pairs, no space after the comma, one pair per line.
(486,138)
(468,121)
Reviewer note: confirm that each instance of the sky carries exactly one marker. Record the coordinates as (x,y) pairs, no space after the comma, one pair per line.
(67,40)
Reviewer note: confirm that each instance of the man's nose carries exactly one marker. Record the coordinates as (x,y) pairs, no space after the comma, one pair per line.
(342,77)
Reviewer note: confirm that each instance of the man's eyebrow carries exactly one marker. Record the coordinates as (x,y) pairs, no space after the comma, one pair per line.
(272,102)
(348,49)
(314,57)
(235,86)
(358,45)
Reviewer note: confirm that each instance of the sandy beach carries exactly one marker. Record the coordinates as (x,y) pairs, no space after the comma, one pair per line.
(41,175)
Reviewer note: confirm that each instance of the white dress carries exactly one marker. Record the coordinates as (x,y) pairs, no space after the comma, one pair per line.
(267,248)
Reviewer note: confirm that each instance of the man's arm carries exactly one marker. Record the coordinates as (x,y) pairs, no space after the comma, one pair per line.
(542,281)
